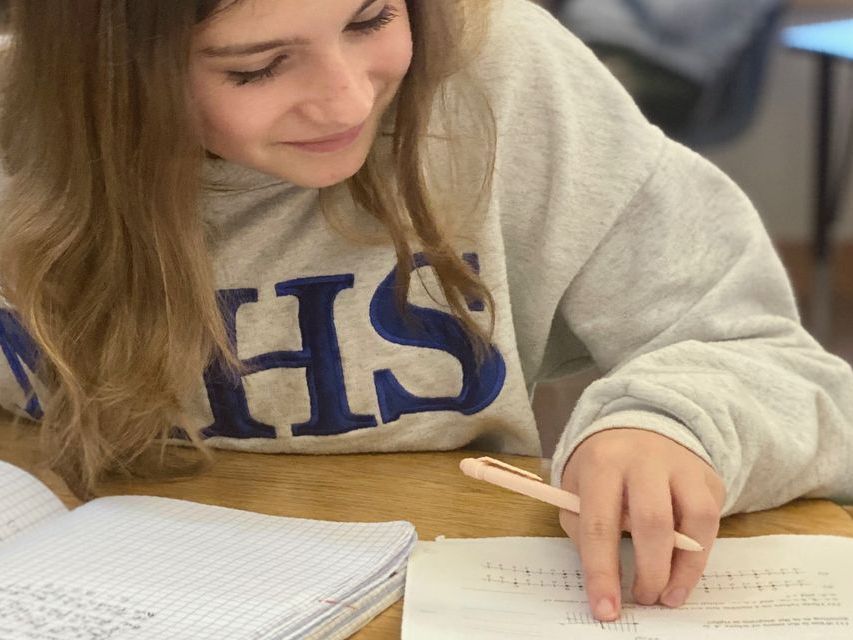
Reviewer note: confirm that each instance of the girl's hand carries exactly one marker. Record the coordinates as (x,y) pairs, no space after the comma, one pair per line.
(662,487)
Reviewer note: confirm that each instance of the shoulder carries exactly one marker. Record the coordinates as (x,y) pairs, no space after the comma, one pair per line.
(562,119)
(525,38)
(530,22)
(573,149)
(535,71)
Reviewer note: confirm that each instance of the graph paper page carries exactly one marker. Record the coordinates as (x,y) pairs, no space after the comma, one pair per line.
(139,567)
(24,502)
(527,588)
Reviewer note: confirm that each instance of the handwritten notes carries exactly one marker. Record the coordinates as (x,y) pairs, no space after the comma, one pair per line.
(54,611)
(146,567)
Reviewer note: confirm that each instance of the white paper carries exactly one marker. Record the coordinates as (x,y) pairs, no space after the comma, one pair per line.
(24,502)
(764,587)
(134,567)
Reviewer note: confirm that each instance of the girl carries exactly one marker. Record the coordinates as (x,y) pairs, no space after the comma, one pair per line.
(374,225)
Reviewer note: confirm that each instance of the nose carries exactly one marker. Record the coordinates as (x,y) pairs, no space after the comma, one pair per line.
(339,94)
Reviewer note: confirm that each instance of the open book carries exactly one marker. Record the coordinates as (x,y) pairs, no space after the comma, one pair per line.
(127,567)
(768,587)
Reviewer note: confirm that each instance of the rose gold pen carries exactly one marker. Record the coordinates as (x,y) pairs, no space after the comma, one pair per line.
(529,484)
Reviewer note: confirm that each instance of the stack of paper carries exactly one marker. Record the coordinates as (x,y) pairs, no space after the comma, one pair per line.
(145,567)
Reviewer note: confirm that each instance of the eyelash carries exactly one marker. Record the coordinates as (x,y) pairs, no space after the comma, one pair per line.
(242,78)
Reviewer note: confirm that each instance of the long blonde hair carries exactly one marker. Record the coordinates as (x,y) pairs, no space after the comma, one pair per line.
(103,254)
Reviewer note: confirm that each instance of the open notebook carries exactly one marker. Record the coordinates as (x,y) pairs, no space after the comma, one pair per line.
(128,567)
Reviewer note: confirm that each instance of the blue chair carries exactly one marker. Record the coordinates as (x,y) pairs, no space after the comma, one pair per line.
(698,114)
(728,106)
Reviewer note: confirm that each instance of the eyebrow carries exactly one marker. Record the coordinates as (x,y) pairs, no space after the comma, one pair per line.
(259,47)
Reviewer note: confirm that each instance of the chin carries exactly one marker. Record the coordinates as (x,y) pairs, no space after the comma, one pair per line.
(318,181)
(324,177)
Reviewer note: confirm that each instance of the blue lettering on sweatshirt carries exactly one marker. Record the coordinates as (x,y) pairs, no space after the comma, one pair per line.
(225,392)
(320,358)
(20,349)
(432,330)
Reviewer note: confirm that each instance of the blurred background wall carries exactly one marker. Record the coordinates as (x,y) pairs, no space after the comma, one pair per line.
(773,159)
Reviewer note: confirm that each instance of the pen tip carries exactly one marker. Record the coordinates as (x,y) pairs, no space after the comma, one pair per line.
(687,543)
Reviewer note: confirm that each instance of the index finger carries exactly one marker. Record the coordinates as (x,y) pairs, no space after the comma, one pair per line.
(598,541)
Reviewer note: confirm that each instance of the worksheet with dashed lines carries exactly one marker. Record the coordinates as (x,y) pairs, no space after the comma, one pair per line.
(765,587)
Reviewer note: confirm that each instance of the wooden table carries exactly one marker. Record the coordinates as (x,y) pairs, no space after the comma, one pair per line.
(426,489)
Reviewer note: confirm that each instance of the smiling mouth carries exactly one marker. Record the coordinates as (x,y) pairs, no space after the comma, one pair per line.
(344,135)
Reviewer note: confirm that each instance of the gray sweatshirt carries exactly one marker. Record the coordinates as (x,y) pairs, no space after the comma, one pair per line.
(602,242)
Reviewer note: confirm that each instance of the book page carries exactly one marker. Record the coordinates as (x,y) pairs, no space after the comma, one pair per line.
(766,587)
(24,502)
(132,567)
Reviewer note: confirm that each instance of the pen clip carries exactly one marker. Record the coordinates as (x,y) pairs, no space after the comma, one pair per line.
(510,468)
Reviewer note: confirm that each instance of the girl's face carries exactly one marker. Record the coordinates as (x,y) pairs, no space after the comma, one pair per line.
(296,88)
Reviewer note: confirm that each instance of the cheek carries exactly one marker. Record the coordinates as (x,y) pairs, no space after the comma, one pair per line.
(228,116)
(392,58)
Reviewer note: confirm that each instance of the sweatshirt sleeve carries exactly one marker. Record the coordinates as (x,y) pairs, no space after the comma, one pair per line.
(687,309)
(628,250)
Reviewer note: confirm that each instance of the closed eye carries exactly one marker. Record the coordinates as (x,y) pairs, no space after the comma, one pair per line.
(365,27)
(384,17)
(241,78)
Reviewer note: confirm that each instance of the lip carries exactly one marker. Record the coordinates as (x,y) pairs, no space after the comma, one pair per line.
(330,143)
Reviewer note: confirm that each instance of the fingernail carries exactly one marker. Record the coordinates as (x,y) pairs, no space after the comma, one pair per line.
(605,609)
(674,597)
